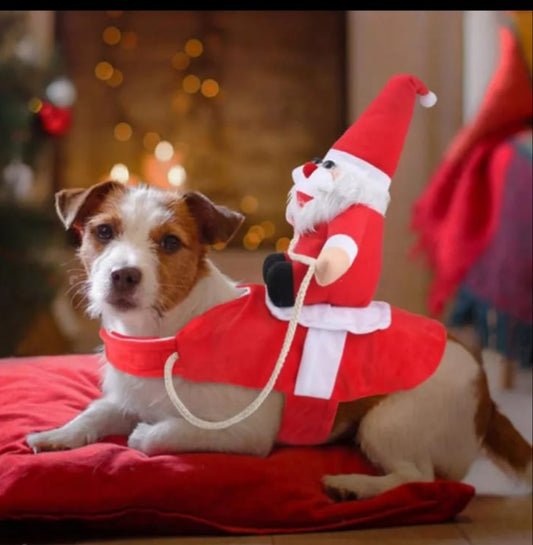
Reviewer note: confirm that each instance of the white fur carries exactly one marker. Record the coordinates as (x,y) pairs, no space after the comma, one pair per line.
(330,200)
(140,407)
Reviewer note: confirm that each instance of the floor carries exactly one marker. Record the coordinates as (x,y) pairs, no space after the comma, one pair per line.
(500,514)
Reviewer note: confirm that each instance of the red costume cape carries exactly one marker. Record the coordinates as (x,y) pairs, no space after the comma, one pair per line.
(239,342)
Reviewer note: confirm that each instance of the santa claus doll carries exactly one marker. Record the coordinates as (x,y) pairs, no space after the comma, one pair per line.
(337,205)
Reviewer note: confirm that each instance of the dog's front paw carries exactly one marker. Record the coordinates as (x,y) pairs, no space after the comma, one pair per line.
(158,438)
(142,438)
(58,439)
(337,489)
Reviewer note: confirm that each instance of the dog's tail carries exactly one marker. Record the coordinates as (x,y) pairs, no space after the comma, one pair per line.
(507,448)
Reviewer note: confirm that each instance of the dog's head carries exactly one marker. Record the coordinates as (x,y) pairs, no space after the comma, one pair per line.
(143,248)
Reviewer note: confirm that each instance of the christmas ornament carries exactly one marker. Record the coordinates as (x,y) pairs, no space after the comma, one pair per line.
(55,120)
(19,178)
(61,92)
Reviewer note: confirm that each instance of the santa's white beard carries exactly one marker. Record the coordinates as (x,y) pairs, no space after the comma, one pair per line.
(348,189)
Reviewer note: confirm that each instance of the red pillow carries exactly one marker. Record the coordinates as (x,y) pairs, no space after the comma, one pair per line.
(110,487)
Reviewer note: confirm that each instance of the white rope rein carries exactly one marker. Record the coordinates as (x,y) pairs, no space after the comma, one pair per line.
(265,392)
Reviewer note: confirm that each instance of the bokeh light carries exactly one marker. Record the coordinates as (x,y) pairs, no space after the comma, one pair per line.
(164,151)
(111,35)
(282,244)
(249,204)
(191,84)
(35,104)
(194,47)
(116,78)
(180,61)
(103,70)
(268,228)
(210,88)
(150,140)
(123,131)
(120,173)
(176,176)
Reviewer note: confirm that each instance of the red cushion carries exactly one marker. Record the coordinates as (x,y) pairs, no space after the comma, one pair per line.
(107,486)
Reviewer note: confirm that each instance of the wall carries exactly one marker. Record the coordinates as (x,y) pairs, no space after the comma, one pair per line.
(429,45)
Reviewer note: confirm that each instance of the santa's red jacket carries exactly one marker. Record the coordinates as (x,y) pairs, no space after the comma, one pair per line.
(239,343)
(361,225)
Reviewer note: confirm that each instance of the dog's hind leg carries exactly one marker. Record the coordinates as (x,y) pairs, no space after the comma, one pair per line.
(359,486)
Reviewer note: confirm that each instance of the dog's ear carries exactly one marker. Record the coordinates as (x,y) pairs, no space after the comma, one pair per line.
(216,223)
(74,206)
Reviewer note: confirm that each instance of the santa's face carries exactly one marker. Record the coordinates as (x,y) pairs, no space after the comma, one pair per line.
(313,180)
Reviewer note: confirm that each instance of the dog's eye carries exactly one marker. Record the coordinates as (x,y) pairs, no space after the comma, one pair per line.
(104,232)
(170,244)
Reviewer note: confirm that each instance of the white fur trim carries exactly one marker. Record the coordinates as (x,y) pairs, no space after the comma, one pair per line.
(360,167)
(358,320)
(319,366)
(344,242)
(348,189)
(428,100)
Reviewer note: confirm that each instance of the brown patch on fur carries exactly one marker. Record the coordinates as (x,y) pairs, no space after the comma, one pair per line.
(503,441)
(485,406)
(198,223)
(104,211)
(499,436)
(179,271)
(74,206)
(350,414)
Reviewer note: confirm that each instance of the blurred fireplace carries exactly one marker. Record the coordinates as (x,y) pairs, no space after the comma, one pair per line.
(242,96)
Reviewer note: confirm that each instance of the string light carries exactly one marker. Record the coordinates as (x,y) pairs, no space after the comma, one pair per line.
(282,244)
(210,88)
(35,104)
(103,70)
(123,131)
(120,173)
(150,140)
(249,204)
(194,47)
(191,84)
(111,35)
(164,151)
(161,160)
(176,176)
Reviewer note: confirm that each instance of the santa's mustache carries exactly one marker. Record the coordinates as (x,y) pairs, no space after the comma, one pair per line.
(320,179)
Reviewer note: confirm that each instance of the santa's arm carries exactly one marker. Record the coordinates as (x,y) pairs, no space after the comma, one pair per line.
(340,249)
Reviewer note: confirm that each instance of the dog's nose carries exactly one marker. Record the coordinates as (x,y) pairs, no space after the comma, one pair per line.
(126,279)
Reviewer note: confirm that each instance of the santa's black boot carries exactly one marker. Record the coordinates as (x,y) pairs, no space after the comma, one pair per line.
(270,260)
(280,284)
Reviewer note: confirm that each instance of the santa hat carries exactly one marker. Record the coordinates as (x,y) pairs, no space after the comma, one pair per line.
(373,144)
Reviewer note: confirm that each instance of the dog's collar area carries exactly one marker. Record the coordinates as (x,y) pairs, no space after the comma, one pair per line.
(140,356)
(144,356)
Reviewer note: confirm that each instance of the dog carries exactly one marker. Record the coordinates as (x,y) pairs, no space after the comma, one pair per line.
(148,273)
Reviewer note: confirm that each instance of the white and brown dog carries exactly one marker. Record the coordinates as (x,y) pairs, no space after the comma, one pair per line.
(148,274)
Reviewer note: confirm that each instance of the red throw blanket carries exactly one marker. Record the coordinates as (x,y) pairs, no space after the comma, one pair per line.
(457,216)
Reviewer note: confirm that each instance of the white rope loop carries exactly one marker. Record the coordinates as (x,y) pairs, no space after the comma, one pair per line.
(265,392)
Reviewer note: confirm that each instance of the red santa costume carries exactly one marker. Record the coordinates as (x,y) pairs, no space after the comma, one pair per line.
(330,361)
(344,345)
(340,201)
